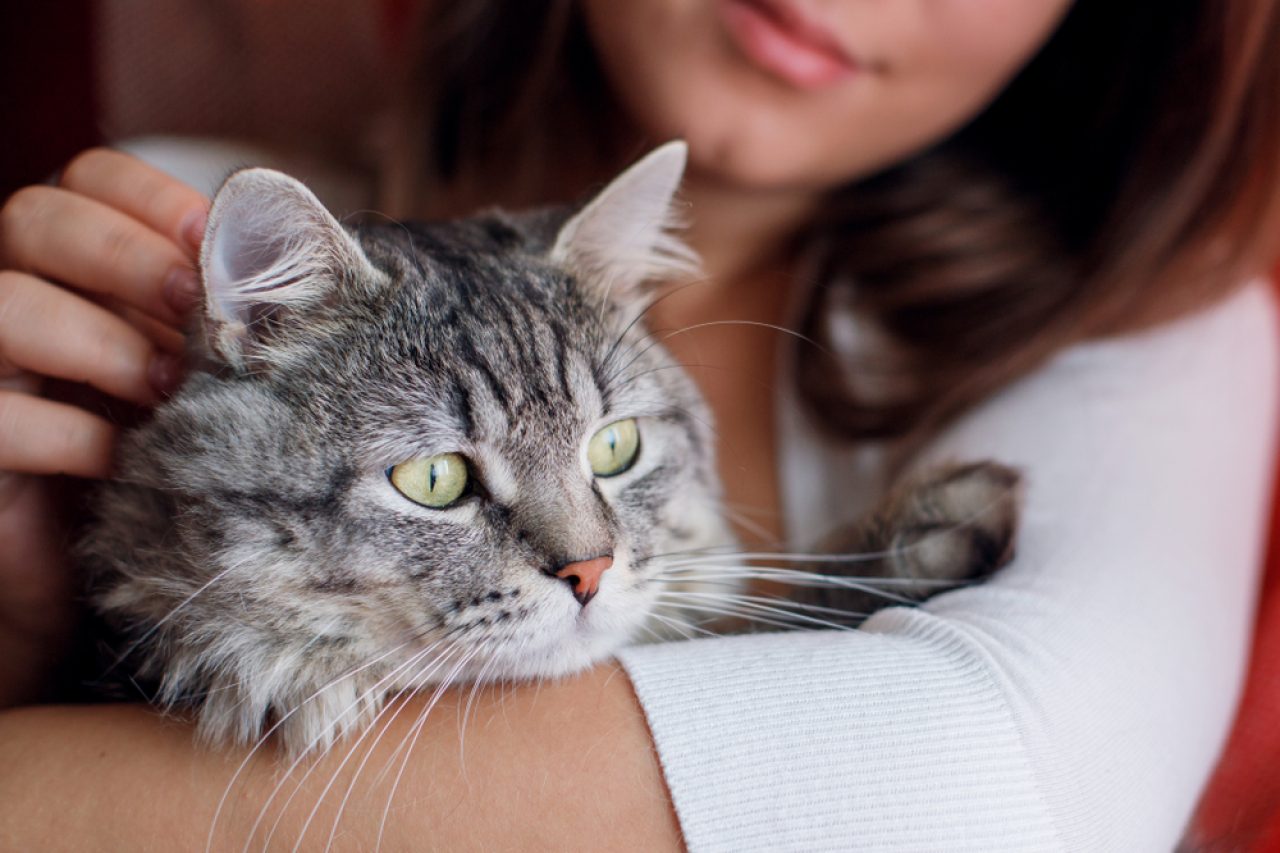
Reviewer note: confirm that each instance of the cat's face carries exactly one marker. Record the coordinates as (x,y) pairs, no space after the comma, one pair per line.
(426,451)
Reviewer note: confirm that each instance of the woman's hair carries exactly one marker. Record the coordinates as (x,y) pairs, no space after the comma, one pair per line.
(1130,173)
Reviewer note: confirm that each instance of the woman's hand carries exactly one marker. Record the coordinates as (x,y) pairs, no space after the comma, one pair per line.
(95,277)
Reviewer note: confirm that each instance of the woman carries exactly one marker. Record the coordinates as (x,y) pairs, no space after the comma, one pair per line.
(1023,228)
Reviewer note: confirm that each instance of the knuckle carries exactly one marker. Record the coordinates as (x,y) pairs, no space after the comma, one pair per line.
(117,244)
(12,288)
(83,165)
(8,420)
(105,352)
(21,214)
(10,283)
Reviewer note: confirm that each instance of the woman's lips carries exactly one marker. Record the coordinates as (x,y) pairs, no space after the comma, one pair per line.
(777,38)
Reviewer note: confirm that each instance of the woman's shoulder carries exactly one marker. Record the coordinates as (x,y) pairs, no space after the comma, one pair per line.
(1244,325)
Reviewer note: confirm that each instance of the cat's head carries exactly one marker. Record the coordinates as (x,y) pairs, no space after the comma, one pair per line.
(421,450)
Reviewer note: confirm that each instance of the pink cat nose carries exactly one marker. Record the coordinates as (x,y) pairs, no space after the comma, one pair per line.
(583,576)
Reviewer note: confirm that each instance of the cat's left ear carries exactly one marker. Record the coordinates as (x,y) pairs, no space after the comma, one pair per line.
(623,237)
(271,251)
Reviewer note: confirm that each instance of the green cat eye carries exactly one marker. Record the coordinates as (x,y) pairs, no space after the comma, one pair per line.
(436,482)
(614,449)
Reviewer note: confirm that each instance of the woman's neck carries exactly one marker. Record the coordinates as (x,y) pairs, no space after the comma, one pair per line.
(723,329)
(740,233)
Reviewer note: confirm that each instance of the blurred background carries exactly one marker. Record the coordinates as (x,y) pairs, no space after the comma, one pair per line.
(310,78)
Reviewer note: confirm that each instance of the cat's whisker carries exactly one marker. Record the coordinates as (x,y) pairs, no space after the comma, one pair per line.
(306,751)
(398,705)
(731,612)
(752,604)
(681,626)
(659,338)
(790,577)
(277,724)
(350,753)
(799,608)
(751,608)
(801,557)
(150,632)
(739,518)
(649,306)
(416,731)
(727,550)
(476,684)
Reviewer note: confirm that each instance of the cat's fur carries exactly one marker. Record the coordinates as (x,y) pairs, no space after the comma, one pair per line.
(258,565)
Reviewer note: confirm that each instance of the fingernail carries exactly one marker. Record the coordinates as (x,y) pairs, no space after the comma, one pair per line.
(164,373)
(193,228)
(182,290)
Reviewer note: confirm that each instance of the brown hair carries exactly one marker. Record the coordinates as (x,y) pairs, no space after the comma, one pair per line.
(1130,173)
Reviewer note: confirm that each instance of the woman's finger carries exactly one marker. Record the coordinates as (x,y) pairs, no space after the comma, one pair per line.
(162,335)
(157,200)
(60,235)
(39,436)
(50,331)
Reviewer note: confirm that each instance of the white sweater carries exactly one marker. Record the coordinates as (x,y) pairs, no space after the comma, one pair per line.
(1078,700)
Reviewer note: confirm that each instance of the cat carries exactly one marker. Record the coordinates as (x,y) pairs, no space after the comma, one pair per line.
(412,454)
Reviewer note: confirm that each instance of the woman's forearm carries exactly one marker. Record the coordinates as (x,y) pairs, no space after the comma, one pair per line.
(560,765)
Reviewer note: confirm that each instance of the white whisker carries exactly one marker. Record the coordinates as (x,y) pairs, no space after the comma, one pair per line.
(416,731)
(267,735)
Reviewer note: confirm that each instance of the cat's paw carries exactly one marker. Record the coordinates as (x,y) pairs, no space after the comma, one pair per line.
(956,522)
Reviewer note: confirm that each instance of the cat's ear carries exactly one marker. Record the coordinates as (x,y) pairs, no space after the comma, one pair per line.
(271,251)
(623,237)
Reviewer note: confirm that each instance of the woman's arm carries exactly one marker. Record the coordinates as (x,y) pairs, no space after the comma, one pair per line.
(1078,700)
(562,765)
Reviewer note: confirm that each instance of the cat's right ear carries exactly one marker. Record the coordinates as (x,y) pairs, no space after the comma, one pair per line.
(626,235)
(271,251)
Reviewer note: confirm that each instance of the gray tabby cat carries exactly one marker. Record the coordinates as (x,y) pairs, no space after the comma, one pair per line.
(411,454)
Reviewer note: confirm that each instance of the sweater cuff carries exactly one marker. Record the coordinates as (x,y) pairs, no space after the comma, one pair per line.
(897,739)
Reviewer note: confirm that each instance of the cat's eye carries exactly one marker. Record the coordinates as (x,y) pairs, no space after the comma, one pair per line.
(437,482)
(614,449)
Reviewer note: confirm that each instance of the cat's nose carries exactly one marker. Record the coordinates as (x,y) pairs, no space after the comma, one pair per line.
(583,576)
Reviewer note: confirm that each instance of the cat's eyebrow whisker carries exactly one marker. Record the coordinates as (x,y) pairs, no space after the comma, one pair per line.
(668,335)
(278,723)
(624,381)
(649,306)
(756,323)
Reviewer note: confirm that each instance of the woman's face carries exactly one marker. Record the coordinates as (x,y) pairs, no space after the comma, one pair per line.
(809,94)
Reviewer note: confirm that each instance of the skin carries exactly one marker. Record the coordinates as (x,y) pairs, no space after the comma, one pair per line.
(95,276)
